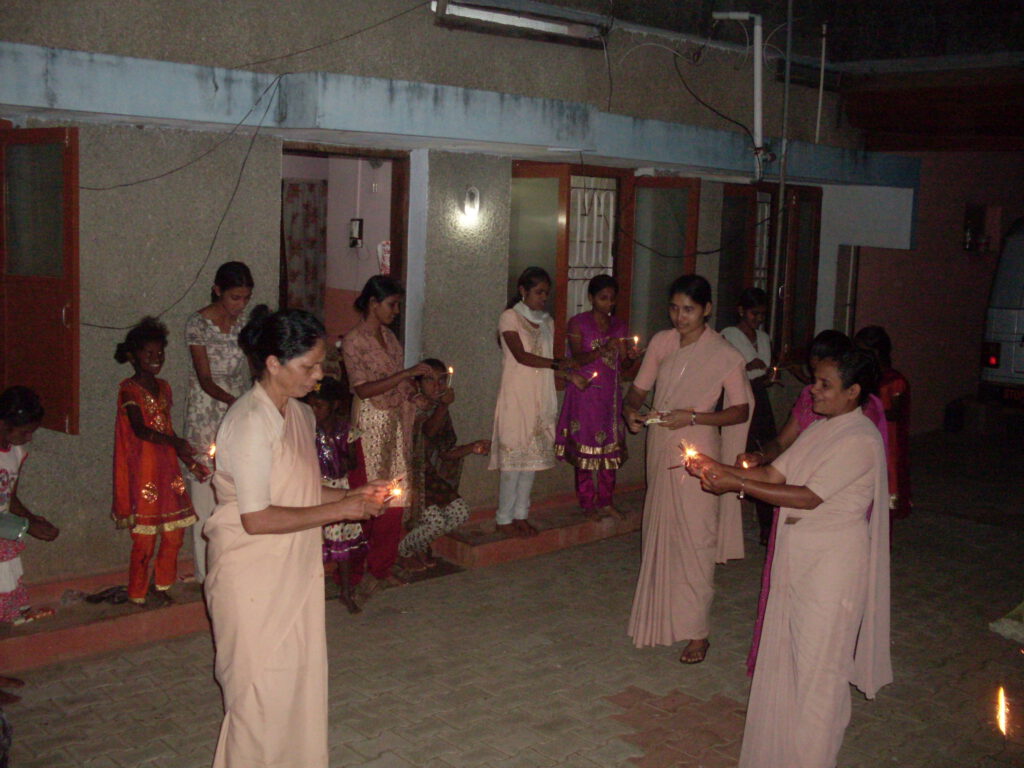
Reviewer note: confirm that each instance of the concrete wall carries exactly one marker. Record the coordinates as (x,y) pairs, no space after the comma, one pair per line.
(239,33)
(140,248)
(932,298)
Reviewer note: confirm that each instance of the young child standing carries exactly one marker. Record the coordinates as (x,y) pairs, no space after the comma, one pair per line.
(590,434)
(341,466)
(20,416)
(437,458)
(150,496)
(523,442)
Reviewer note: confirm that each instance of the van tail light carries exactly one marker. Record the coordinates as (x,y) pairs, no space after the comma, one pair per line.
(990,354)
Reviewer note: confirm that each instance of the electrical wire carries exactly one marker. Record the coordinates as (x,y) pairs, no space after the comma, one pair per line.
(216,232)
(274,84)
(608,69)
(198,157)
(344,37)
(699,100)
(693,254)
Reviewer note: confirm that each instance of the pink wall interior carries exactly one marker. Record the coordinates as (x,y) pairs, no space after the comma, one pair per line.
(932,299)
(356,188)
(339,315)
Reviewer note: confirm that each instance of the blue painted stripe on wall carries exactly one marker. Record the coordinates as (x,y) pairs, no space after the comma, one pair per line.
(127,88)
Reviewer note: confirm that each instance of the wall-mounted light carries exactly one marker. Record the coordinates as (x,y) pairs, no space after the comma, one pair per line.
(471,206)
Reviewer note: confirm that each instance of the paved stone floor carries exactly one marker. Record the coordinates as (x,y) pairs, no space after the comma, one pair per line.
(527,664)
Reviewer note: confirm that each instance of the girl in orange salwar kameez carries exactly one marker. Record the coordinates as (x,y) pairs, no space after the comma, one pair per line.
(827,618)
(686,531)
(265,585)
(150,496)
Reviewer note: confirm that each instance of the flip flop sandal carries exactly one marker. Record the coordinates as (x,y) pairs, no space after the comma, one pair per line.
(32,614)
(102,595)
(694,659)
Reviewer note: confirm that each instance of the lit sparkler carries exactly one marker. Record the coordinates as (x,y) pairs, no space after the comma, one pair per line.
(394,492)
(451,375)
(1002,710)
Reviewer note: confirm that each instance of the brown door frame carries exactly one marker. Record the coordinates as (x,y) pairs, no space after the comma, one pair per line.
(692,218)
(791,351)
(622,246)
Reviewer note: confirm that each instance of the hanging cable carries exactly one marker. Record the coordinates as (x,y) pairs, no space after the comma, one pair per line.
(699,100)
(198,157)
(344,37)
(216,232)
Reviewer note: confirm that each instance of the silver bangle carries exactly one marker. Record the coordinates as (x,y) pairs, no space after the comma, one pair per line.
(693,418)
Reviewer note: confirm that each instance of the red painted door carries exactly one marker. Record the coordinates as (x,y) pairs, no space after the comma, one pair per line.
(39,268)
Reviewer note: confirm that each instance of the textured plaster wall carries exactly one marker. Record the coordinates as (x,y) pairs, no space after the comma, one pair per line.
(239,33)
(932,298)
(140,247)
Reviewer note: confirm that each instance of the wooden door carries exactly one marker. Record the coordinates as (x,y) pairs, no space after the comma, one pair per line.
(39,268)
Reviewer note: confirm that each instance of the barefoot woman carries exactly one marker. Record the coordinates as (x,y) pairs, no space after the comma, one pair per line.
(688,367)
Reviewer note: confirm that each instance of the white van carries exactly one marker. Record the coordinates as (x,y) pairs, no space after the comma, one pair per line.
(1002,353)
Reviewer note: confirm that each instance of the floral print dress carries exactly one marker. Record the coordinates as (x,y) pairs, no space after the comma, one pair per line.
(230,372)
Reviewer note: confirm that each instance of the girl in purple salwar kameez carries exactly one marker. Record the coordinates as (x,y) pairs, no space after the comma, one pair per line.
(590,433)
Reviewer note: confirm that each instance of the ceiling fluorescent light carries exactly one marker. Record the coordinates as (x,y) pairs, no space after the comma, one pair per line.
(494,18)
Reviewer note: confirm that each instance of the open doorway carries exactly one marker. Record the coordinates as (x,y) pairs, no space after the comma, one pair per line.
(343,220)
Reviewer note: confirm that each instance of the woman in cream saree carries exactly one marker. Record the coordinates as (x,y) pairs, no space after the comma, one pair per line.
(685,531)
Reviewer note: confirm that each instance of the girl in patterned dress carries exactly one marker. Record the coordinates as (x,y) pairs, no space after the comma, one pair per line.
(150,496)
(436,508)
(341,466)
(219,373)
(20,416)
(384,411)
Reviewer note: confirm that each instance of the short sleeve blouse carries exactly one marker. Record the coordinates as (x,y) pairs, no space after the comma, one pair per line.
(245,445)
(366,360)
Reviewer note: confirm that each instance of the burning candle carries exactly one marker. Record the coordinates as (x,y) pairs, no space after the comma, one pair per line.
(636,341)
(1002,710)
(451,375)
(212,452)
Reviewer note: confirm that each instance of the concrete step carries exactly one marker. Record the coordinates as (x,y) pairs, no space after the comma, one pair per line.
(561,525)
(79,629)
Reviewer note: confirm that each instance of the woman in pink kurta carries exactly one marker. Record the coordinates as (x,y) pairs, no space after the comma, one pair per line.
(827,620)
(684,531)
(265,585)
(383,411)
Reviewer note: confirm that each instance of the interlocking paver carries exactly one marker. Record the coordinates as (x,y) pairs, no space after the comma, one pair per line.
(527,664)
